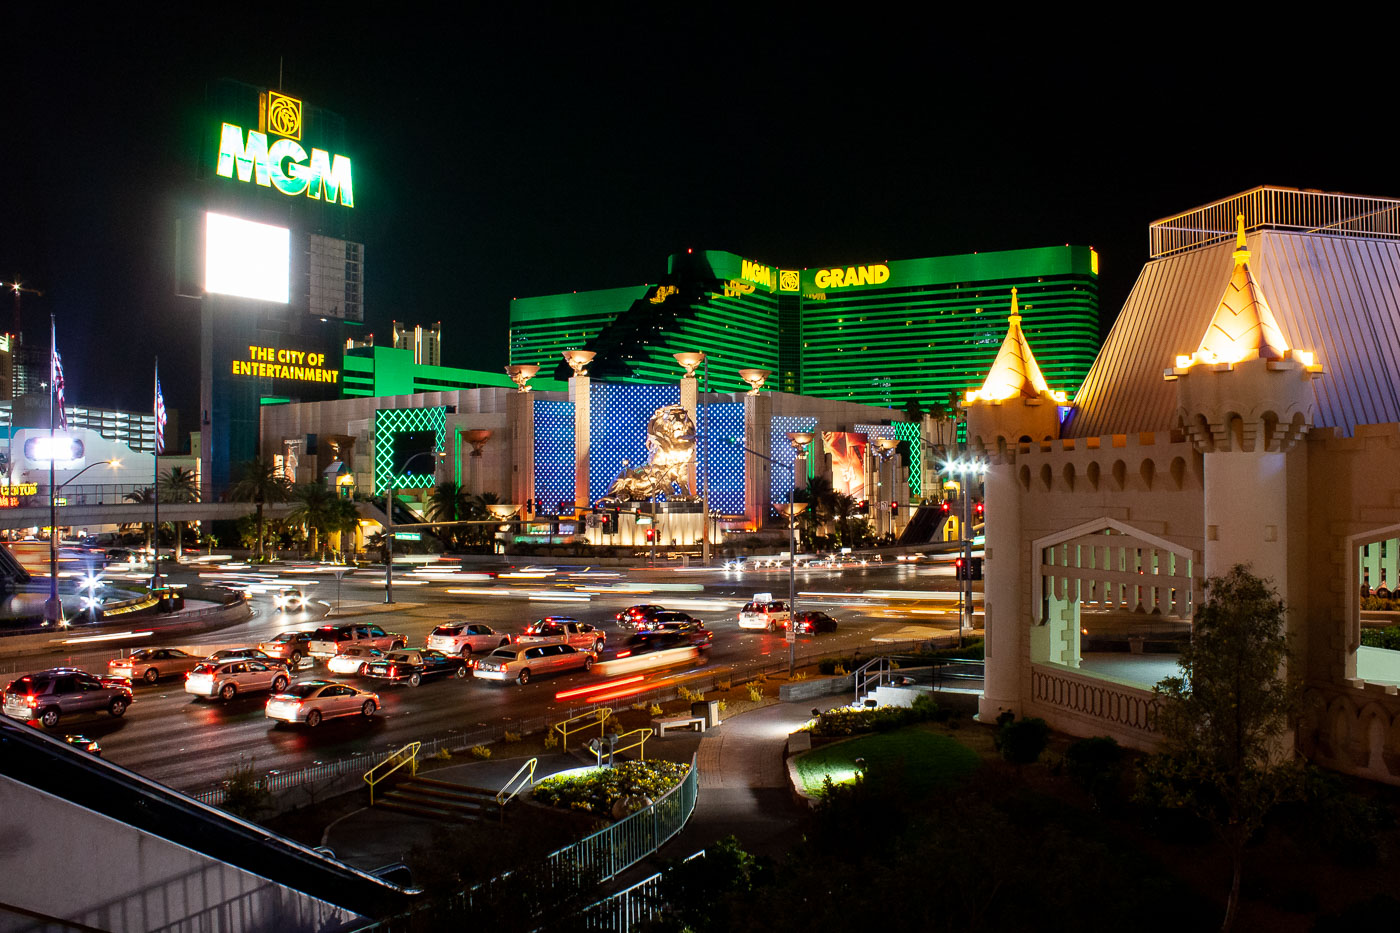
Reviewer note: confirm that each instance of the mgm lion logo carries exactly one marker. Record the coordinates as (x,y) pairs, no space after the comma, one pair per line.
(670,450)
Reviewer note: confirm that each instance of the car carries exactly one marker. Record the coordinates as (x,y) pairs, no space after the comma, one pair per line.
(465,638)
(290,646)
(151,664)
(83,743)
(663,640)
(331,640)
(52,695)
(353,660)
(813,623)
(670,619)
(289,600)
(520,663)
(310,701)
(228,654)
(763,613)
(227,679)
(580,635)
(413,666)
(634,616)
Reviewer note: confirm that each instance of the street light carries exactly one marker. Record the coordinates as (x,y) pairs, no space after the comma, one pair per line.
(963,467)
(389,530)
(53,607)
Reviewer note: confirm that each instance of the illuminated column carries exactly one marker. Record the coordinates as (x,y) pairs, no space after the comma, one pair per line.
(884,449)
(477,438)
(578,395)
(690,394)
(758,428)
(520,411)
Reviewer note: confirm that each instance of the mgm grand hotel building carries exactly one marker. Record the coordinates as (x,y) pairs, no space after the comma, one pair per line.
(878,334)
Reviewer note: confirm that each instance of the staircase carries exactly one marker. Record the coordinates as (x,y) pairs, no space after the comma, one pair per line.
(440,800)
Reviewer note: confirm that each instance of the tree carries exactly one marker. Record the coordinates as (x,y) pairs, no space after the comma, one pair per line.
(179,485)
(260,482)
(450,502)
(1223,719)
(316,511)
(143,496)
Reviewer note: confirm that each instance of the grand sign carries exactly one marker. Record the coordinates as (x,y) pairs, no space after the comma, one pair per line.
(852,275)
(282,363)
(284,164)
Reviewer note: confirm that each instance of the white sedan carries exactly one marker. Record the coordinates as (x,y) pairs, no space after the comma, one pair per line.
(311,701)
(353,660)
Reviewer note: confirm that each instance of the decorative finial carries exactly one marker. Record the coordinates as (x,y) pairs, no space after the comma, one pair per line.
(1015,308)
(1241,245)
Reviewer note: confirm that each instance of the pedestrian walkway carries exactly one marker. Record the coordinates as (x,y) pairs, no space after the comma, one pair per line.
(744,792)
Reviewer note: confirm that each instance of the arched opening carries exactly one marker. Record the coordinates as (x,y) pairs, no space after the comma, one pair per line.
(1375,640)
(1113,602)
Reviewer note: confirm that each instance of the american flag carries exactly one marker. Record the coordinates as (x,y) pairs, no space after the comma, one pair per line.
(56,374)
(160,419)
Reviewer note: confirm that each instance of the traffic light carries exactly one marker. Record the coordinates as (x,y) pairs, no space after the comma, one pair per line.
(970,569)
(609,523)
(978,509)
(651,535)
(946,507)
(894,507)
(529,506)
(864,506)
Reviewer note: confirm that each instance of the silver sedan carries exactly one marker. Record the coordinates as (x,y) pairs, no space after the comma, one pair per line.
(311,701)
(522,662)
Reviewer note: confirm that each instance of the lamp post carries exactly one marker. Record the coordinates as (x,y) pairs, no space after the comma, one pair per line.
(963,468)
(389,531)
(53,607)
(885,448)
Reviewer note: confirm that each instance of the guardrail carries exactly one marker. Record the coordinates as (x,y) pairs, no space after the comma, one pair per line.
(408,755)
(601,713)
(641,744)
(632,906)
(502,798)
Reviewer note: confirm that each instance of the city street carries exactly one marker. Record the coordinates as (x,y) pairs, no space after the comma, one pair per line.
(190,744)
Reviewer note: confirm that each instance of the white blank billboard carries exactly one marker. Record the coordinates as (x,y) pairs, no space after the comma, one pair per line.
(246,259)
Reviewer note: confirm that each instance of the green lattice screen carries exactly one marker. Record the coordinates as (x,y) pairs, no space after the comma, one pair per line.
(910,431)
(389,422)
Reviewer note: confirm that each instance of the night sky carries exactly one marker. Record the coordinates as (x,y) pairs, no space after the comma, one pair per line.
(527,154)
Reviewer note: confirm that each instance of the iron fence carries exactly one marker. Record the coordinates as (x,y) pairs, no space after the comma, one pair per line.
(1277,208)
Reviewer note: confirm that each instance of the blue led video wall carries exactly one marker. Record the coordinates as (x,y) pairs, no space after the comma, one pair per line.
(780,449)
(726,420)
(618,429)
(554,455)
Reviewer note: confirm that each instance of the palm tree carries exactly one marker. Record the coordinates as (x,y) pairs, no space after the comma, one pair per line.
(260,482)
(179,485)
(143,496)
(315,511)
(450,502)
(342,519)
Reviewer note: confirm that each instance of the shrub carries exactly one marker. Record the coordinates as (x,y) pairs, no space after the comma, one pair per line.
(511,737)
(690,696)
(723,706)
(656,709)
(724,685)
(1021,741)
(755,692)
(1096,764)
(244,793)
(800,675)
(596,791)
(551,739)
(443,754)
(1388,637)
(839,671)
(481,751)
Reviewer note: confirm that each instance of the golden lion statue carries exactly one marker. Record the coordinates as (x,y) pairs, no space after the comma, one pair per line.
(670,450)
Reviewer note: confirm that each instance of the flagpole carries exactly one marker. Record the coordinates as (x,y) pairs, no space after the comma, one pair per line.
(53,609)
(155,481)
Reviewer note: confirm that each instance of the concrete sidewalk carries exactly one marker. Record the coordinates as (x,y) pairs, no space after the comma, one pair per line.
(744,792)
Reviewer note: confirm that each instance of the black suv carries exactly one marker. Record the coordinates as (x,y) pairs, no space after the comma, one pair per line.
(49,696)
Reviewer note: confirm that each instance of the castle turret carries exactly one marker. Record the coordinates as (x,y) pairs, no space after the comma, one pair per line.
(1014,401)
(1013,404)
(1245,399)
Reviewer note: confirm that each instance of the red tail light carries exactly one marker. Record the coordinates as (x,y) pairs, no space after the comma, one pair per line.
(33,701)
(624,654)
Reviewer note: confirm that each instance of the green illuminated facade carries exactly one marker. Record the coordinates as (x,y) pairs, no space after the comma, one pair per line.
(371,372)
(876,333)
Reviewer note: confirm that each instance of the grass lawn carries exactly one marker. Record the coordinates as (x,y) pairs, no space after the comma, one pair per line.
(929,758)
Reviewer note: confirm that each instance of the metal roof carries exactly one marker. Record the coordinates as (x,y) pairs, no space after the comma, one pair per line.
(1336,296)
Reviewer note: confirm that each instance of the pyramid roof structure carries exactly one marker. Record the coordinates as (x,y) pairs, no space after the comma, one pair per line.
(1014,372)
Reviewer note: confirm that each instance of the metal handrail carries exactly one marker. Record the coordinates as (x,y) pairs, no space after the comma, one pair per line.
(502,798)
(640,744)
(1278,208)
(398,761)
(602,713)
